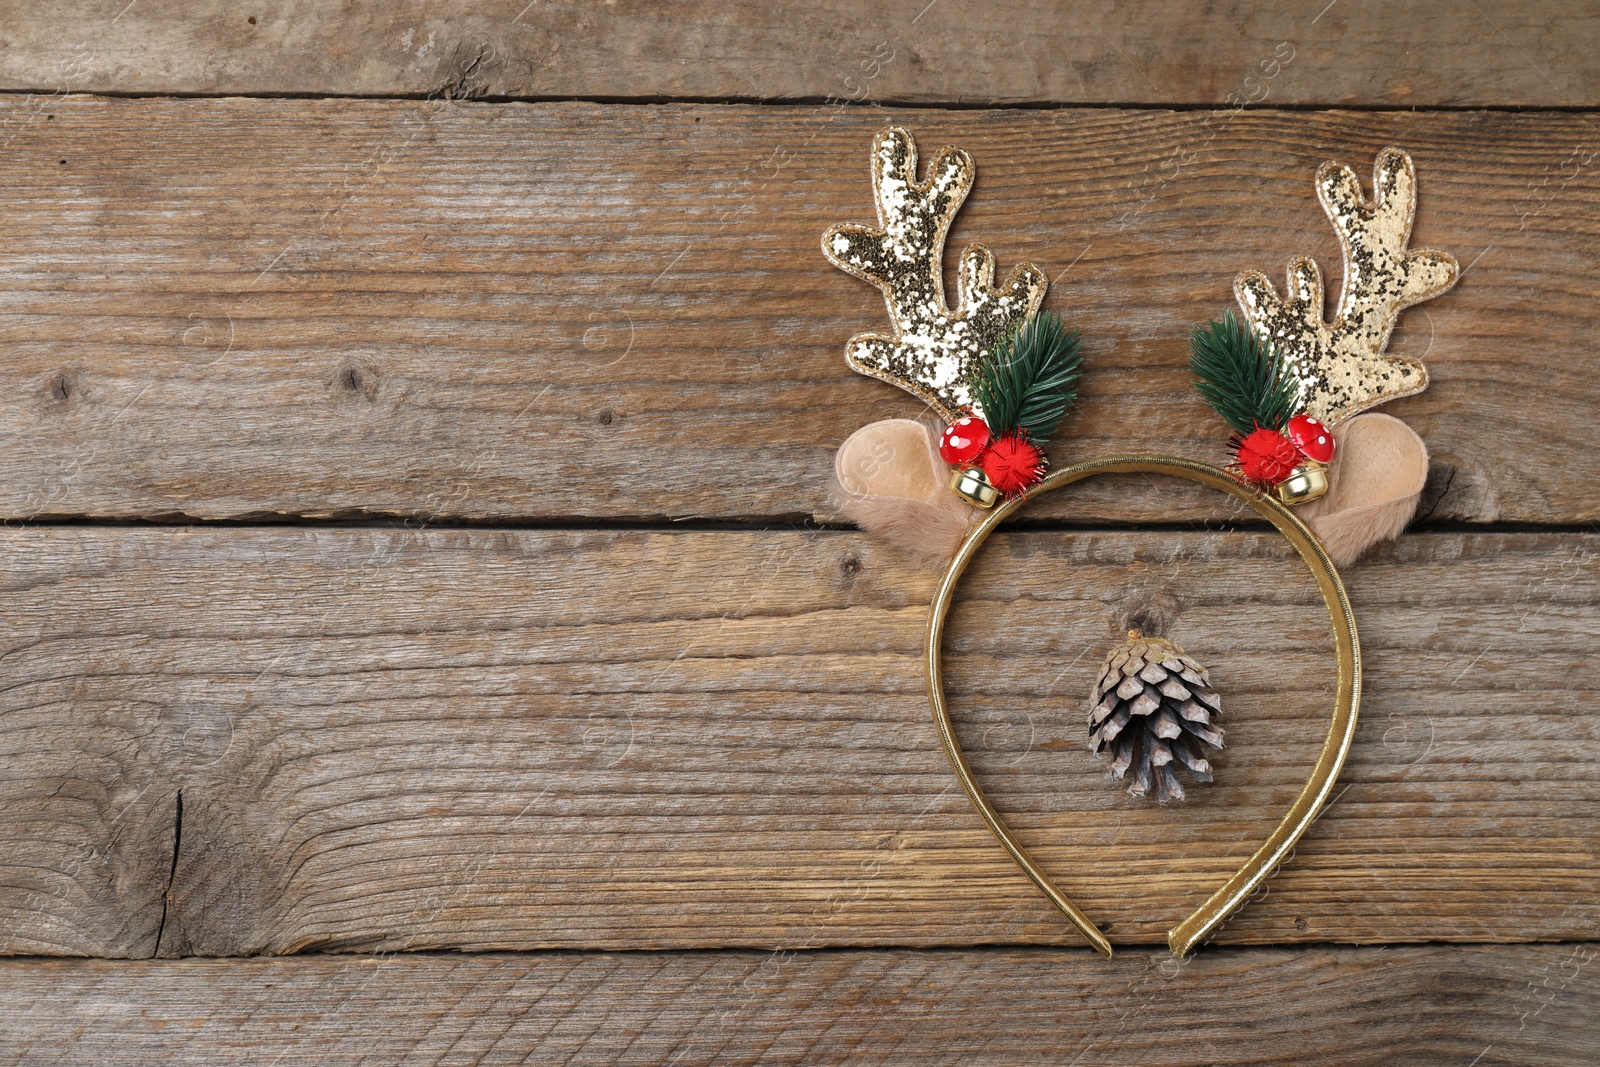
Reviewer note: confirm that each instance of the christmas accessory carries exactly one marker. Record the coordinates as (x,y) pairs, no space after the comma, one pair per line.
(1241,376)
(998,373)
(1335,746)
(1001,377)
(1374,484)
(1265,457)
(1152,706)
(1312,437)
(1026,385)
(964,440)
(1013,463)
(1023,388)
(972,484)
(935,346)
(1363,473)
(890,480)
(1341,366)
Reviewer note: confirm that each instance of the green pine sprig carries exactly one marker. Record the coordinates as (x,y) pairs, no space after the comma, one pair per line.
(1241,376)
(1030,379)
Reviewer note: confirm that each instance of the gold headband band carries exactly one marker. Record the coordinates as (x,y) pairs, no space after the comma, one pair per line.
(1341,730)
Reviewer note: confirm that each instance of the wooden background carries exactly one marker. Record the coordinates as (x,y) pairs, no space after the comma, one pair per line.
(425,638)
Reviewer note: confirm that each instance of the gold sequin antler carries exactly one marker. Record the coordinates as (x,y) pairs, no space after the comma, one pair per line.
(935,345)
(1342,366)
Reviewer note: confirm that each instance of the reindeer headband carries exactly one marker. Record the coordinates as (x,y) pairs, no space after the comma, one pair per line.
(1001,376)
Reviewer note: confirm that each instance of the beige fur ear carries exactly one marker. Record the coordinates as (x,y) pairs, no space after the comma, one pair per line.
(890,480)
(1374,483)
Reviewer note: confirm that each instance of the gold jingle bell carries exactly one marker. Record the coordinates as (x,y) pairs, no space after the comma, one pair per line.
(973,486)
(1307,481)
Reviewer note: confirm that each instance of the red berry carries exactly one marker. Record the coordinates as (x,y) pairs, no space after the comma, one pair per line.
(1311,437)
(1012,463)
(1266,456)
(964,440)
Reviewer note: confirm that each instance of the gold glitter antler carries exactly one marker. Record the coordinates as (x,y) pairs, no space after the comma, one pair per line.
(1342,366)
(934,346)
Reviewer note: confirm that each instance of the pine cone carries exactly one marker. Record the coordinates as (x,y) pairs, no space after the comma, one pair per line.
(1152,705)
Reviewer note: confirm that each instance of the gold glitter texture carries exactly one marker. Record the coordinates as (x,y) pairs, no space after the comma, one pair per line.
(935,345)
(1341,365)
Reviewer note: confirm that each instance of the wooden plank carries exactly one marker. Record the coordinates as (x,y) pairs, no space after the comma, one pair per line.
(1008,52)
(495,739)
(237,308)
(1412,1004)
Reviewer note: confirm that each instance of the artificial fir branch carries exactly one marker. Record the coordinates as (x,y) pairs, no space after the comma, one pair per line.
(1030,379)
(1241,377)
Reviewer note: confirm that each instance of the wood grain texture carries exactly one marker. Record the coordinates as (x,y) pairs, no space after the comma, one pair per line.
(1418,1005)
(227,308)
(1420,54)
(398,740)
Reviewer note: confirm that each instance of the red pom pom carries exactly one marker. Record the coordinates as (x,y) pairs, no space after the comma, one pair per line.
(1265,456)
(1311,437)
(964,440)
(1013,463)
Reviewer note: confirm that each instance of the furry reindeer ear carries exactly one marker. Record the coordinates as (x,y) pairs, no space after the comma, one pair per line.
(890,480)
(1374,483)
(1294,386)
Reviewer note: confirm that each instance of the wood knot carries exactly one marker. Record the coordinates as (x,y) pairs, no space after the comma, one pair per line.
(1147,614)
(358,380)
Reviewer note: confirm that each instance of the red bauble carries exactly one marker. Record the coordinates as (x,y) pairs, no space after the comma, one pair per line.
(1265,456)
(1311,437)
(1012,463)
(964,440)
